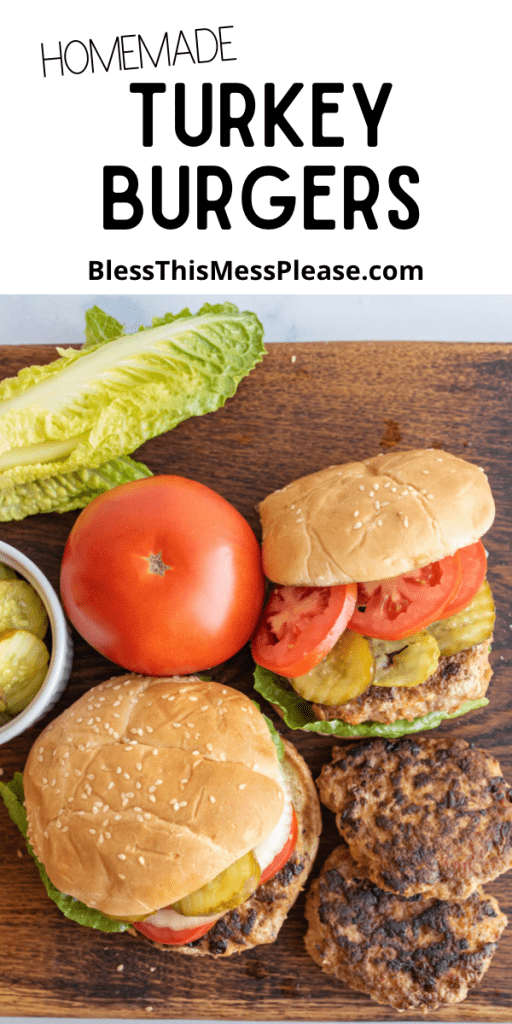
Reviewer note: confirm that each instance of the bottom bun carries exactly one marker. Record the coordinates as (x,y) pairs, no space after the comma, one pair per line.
(259,919)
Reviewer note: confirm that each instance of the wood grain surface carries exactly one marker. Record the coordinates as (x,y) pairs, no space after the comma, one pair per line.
(306,406)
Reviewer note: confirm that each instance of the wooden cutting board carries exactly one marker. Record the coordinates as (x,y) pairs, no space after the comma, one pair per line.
(304,407)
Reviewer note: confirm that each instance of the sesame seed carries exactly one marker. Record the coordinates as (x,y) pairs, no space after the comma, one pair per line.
(149,728)
(375,487)
(105,822)
(212,799)
(242,785)
(177,725)
(141,860)
(122,877)
(205,706)
(118,770)
(195,753)
(183,803)
(110,785)
(125,775)
(121,856)
(151,789)
(356,514)
(120,967)
(379,522)
(184,782)
(117,817)
(153,799)
(361,487)
(138,766)
(92,831)
(209,746)
(430,496)
(406,521)
(371,494)
(377,505)
(139,817)
(393,489)
(193,698)
(358,525)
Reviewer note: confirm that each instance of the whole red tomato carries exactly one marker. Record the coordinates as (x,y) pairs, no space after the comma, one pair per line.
(162,576)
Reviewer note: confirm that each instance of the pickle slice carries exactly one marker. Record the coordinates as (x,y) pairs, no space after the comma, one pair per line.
(6,573)
(22,608)
(23,667)
(345,673)
(233,886)
(471,625)
(406,662)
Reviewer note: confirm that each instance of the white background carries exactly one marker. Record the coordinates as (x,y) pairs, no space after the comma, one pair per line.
(447,116)
(60,319)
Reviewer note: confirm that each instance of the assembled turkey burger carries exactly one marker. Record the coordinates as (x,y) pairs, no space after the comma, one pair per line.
(161,805)
(381,617)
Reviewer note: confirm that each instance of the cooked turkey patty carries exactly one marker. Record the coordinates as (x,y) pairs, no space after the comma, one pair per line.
(429,815)
(418,953)
(460,677)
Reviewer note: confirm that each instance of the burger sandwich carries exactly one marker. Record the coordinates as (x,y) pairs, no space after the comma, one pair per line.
(381,616)
(162,806)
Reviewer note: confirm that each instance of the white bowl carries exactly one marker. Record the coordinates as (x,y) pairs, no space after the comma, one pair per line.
(61,658)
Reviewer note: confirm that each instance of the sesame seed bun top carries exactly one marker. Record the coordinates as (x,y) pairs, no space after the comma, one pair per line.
(147,788)
(374,519)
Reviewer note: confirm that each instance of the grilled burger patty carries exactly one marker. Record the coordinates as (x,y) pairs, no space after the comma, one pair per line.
(431,816)
(416,953)
(458,678)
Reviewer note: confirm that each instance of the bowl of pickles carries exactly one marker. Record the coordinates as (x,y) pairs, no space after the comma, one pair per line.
(36,650)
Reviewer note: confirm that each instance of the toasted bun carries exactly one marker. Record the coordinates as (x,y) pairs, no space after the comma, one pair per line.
(260,918)
(374,519)
(147,788)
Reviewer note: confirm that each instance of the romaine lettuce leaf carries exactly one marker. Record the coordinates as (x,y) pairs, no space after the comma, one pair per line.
(297,713)
(67,491)
(97,403)
(13,796)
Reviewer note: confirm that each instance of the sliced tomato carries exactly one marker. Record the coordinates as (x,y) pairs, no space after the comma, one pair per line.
(299,626)
(284,855)
(167,936)
(398,607)
(474,567)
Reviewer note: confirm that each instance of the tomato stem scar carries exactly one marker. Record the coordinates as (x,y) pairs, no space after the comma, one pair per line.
(156,564)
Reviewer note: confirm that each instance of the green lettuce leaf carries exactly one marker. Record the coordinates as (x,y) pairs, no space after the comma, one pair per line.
(102,401)
(66,491)
(13,796)
(100,328)
(297,713)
